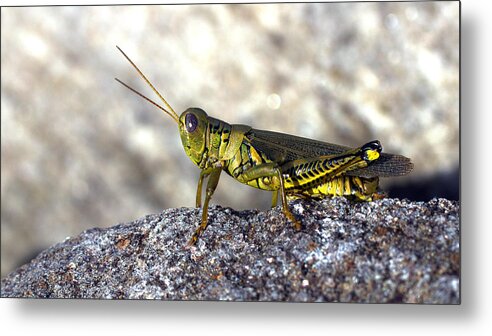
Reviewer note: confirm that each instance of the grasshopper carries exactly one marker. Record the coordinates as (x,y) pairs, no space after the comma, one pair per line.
(284,164)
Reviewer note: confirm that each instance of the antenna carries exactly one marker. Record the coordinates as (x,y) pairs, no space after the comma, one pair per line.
(171,112)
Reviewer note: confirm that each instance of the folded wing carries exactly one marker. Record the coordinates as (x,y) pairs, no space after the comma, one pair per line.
(280,147)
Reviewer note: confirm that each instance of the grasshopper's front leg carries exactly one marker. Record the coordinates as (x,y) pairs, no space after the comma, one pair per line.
(211,186)
(203,174)
(271,174)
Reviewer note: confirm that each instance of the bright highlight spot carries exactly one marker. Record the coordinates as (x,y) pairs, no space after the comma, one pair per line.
(274,101)
(431,65)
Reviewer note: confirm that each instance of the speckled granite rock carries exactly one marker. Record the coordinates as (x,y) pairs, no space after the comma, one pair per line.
(78,150)
(385,251)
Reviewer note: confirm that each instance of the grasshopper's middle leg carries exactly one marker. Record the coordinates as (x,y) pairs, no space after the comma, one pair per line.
(270,172)
(285,206)
(211,186)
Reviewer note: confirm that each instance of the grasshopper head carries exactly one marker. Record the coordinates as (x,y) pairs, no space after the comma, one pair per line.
(193,129)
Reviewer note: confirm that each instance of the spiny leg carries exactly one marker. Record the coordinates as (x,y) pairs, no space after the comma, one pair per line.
(211,185)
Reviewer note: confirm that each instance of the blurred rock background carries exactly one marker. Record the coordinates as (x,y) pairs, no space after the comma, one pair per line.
(79,151)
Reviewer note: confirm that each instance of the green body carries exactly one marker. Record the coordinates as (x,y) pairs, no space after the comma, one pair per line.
(284,164)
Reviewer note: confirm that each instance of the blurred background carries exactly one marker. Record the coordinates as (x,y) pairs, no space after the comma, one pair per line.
(80,151)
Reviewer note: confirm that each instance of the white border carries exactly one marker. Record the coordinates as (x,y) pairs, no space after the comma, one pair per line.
(472,317)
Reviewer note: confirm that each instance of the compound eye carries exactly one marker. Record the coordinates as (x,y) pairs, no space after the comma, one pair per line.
(191,122)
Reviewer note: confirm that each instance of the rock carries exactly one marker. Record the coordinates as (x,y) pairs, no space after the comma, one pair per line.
(79,150)
(389,250)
